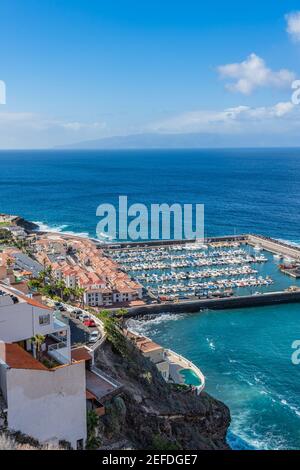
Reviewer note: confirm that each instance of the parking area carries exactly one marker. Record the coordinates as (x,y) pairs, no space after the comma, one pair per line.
(85,327)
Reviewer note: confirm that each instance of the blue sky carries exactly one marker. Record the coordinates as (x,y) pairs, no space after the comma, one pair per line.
(78,70)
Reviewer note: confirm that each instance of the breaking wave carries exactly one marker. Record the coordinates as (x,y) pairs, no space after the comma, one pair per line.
(59,229)
(145,325)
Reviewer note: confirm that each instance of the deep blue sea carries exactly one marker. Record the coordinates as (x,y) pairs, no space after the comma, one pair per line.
(245,354)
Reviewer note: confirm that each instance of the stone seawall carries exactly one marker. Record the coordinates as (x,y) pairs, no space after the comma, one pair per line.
(160,243)
(272,298)
(274,246)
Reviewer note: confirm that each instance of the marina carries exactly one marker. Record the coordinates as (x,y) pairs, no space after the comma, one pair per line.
(202,270)
(213,273)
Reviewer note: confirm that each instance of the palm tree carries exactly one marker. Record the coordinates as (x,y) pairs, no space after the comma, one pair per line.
(42,277)
(37,341)
(67,293)
(78,293)
(61,286)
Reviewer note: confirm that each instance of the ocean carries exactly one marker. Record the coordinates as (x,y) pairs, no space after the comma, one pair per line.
(245,354)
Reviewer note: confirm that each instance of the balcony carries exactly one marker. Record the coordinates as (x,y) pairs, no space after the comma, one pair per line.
(59,352)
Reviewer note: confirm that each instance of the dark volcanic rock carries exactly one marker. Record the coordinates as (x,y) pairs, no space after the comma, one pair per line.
(28,226)
(155,415)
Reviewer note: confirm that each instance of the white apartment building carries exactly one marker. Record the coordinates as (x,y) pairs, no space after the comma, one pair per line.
(44,388)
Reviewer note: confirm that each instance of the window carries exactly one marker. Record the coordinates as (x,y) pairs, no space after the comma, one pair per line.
(44,319)
(79,444)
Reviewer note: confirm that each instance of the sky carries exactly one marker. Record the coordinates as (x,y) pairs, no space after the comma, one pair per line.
(78,70)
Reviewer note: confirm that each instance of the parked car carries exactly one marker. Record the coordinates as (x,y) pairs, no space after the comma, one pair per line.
(59,306)
(90,323)
(94,336)
(83,317)
(77,313)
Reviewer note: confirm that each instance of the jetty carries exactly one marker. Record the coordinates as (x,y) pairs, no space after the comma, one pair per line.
(145,277)
(181,276)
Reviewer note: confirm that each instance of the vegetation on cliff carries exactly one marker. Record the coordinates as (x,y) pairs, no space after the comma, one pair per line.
(149,413)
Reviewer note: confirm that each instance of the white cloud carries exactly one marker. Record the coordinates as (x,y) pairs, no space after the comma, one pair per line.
(22,130)
(293,25)
(253,73)
(78,126)
(230,120)
(35,121)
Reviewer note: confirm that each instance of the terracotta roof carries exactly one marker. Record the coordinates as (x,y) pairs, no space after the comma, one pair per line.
(33,302)
(22,296)
(17,358)
(135,303)
(90,396)
(147,346)
(80,354)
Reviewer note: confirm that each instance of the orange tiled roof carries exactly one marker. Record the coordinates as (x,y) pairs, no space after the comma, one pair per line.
(146,345)
(80,354)
(17,358)
(28,300)
(90,396)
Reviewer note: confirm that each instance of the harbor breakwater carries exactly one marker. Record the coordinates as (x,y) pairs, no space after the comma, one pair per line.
(193,306)
(254,300)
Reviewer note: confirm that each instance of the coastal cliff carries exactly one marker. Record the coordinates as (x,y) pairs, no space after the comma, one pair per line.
(27,225)
(151,414)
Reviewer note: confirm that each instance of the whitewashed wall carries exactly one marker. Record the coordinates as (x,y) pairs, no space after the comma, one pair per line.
(48,406)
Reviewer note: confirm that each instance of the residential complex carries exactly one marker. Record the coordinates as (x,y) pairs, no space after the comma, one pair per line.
(48,383)
(174,368)
(43,387)
(79,263)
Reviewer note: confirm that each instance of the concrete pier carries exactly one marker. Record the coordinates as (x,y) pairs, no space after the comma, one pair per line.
(281,248)
(274,246)
(270,298)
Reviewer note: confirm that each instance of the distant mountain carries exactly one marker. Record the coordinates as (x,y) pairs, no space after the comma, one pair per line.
(209,140)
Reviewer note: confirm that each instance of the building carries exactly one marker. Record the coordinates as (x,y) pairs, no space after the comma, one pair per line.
(171,365)
(152,351)
(44,387)
(17,232)
(24,262)
(79,263)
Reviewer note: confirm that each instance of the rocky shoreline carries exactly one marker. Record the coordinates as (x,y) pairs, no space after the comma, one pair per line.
(152,414)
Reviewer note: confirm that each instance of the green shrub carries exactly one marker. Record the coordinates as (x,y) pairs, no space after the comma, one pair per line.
(92,441)
(161,443)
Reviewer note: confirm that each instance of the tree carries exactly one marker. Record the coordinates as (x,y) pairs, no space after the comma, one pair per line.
(121,316)
(42,277)
(34,283)
(92,441)
(60,286)
(78,294)
(115,335)
(38,341)
(121,312)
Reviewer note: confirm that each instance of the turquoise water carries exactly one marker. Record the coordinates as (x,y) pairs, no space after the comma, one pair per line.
(190,378)
(268,268)
(245,354)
